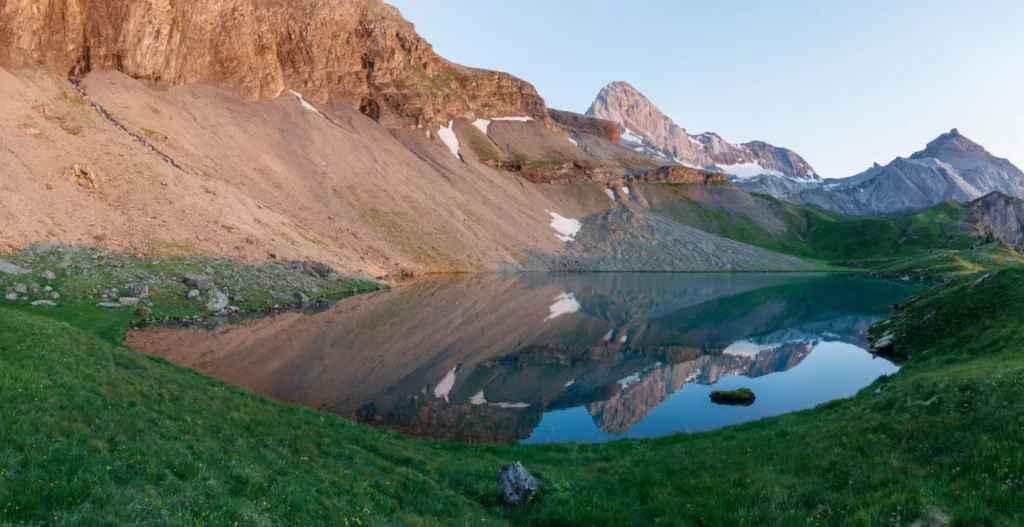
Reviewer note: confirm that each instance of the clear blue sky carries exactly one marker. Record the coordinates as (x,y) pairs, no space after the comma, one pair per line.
(842,82)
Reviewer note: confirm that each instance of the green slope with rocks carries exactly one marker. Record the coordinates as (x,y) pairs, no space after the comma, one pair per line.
(936,243)
(95,433)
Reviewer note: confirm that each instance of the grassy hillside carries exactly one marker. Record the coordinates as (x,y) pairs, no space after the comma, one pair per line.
(91,432)
(934,243)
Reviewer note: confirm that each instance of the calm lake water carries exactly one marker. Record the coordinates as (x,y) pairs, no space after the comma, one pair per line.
(551,358)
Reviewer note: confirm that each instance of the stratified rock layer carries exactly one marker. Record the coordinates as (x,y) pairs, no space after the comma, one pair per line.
(360,52)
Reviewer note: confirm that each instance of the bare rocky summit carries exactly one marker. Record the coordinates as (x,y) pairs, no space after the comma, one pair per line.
(646,128)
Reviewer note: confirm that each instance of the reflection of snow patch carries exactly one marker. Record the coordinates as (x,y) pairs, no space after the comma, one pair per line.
(570,383)
(482,124)
(625,190)
(608,336)
(445,386)
(573,141)
(747,348)
(478,399)
(510,405)
(623,339)
(626,381)
(567,227)
(447,135)
(523,119)
(610,192)
(565,303)
(305,104)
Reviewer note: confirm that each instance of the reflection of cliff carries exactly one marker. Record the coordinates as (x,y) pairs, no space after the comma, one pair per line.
(427,416)
(481,358)
(639,396)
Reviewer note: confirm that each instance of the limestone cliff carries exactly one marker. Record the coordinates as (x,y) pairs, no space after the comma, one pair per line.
(360,52)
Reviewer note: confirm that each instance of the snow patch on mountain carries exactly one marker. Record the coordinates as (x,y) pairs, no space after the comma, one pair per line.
(747,170)
(567,228)
(447,136)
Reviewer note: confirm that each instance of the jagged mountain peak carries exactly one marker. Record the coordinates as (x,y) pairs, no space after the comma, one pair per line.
(667,142)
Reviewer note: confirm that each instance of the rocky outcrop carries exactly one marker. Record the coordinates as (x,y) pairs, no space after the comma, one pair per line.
(1000,215)
(647,129)
(575,123)
(681,174)
(952,167)
(359,52)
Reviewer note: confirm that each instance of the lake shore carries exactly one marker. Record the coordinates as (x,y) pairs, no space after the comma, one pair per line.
(93,431)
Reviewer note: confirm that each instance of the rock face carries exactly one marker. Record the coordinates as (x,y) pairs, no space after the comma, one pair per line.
(360,52)
(1000,215)
(952,167)
(646,129)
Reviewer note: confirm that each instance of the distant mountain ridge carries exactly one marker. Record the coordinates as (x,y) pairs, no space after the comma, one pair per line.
(951,167)
(646,129)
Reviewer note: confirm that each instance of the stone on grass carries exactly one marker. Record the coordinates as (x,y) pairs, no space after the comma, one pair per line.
(193,294)
(49,276)
(301,298)
(198,281)
(55,296)
(9,268)
(518,487)
(128,301)
(884,344)
(11,296)
(44,303)
(21,289)
(216,301)
(139,290)
(144,312)
(110,305)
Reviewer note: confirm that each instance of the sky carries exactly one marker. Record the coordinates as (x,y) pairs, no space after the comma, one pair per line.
(844,83)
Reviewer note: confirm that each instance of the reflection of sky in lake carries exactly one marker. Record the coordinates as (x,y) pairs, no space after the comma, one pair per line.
(832,370)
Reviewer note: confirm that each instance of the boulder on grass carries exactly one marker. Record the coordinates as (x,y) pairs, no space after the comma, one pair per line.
(518,487)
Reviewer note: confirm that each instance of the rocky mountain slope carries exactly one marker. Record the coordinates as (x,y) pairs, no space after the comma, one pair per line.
(321,130)
(952,167)
(646,129)
(358,52)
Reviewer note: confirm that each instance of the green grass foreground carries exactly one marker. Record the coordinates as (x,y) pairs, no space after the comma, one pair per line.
(93,433)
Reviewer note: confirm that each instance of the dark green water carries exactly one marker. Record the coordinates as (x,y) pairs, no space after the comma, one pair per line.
(543,358)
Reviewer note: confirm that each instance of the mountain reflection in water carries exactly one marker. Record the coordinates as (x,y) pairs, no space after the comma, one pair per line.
(556,357)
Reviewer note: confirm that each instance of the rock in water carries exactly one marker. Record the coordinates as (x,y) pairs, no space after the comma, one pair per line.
(518,487)
(9,268)
(741,397)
